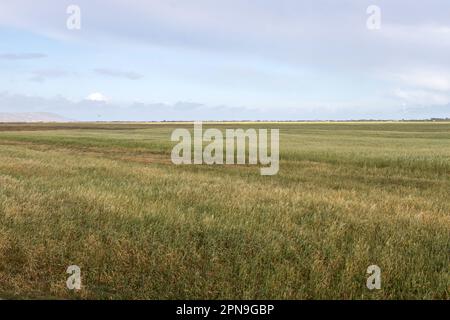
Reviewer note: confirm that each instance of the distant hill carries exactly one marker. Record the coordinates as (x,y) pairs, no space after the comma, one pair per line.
(31,117)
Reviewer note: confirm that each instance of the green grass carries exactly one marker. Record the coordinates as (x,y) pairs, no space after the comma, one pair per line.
(106,197)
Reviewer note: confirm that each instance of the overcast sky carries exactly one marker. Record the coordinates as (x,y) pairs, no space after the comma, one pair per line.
(226,59)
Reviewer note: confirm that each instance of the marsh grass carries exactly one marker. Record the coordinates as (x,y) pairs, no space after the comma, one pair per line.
(107,198)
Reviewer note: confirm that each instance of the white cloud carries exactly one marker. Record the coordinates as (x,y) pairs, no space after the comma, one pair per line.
(88,110)
(425,85)
(431,34)
(422,97)
(425,79)
(44,74)
(118,73)
(22,56)
(97,97)
(327,39)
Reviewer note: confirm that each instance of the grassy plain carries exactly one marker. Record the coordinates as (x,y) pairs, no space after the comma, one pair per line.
(106,197)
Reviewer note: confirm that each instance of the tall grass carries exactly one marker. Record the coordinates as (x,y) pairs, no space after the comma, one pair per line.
(107,198)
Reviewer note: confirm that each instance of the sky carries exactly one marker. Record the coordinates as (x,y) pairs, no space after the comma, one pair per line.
(226,59)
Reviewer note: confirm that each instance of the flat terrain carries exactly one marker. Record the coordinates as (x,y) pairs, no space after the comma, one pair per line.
(107,198)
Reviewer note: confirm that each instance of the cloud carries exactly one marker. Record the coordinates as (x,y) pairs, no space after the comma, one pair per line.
(31,117)
(92,110)
(22,56)
(44,74)
(323,32)
(119,74)
(420,86)
(426,79)
(97,97)
(324,44)
(422,97)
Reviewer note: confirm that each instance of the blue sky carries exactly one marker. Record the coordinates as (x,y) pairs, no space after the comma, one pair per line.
(226,60)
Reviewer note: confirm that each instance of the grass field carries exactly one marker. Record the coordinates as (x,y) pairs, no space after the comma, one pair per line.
(107,198)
